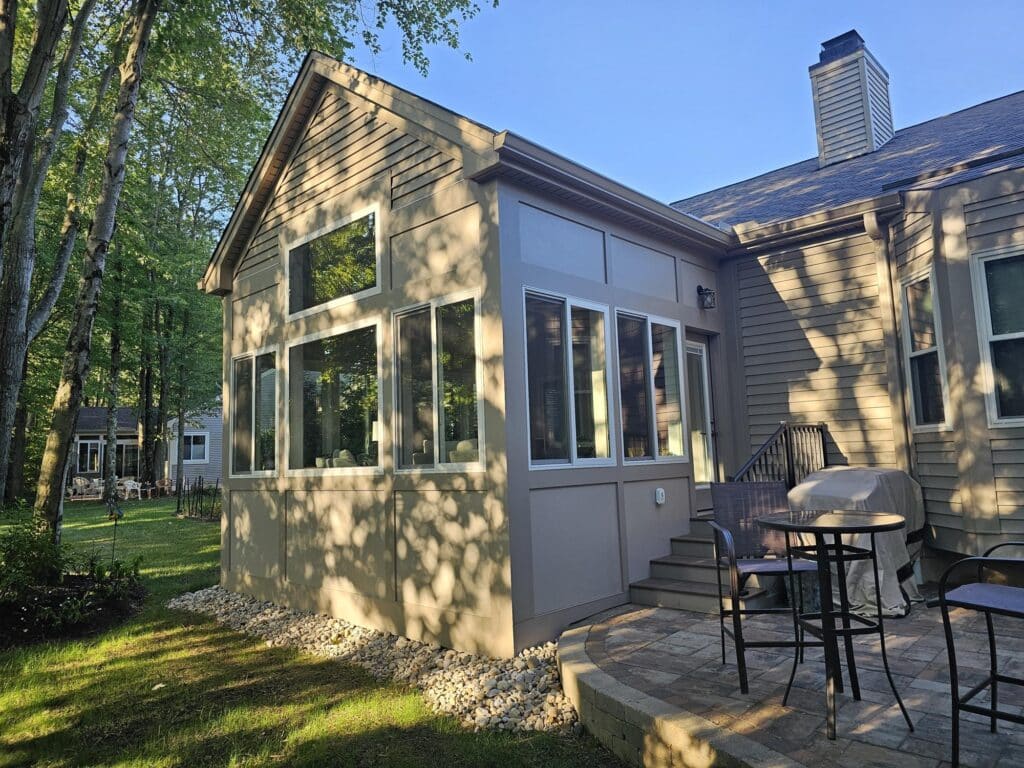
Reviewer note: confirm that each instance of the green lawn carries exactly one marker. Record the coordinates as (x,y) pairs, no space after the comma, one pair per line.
(223,698)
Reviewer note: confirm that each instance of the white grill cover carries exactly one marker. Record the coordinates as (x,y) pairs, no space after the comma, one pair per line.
(871,489)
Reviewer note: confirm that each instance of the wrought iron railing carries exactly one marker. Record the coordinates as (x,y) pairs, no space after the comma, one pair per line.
(791,453)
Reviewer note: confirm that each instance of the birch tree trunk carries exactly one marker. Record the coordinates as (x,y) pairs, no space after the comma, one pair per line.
(110,486)
(182,368)
(78,352)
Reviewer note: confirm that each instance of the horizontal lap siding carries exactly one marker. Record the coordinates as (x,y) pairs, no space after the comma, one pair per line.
(991,223)
(344,147)
(813,349)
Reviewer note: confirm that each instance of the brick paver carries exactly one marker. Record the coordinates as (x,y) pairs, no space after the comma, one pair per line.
(676,656)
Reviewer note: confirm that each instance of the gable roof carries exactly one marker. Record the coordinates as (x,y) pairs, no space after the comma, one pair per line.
(94,419)
(483,152)
(981,139)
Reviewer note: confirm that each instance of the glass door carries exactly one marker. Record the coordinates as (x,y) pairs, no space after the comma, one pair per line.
(701,423)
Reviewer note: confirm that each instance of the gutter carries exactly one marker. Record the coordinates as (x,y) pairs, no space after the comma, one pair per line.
(518,156)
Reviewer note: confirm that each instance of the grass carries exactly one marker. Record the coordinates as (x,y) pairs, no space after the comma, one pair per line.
(168,688)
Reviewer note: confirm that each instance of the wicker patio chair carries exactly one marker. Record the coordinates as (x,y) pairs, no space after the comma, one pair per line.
(746,549)
(989,598)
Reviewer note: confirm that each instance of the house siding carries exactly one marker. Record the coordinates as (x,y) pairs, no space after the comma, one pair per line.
(211,470)
(812,346)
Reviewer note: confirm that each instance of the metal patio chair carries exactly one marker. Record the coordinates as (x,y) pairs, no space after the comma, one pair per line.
(991,599)
(746,549)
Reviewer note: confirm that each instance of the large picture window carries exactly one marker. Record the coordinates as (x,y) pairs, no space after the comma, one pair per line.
(567,381)
(921,344)
(334,265)
(92,454)
(650,388)
(254,414)
(334,404)
(1001,318)
(437,343)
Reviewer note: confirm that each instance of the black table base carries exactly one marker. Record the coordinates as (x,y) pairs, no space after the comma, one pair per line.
(830,624)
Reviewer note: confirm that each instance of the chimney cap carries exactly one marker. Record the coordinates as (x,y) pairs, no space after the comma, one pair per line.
(840,46)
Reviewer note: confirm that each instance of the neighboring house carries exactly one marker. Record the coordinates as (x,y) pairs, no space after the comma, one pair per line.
(203,451)
(473,388)
(90,444)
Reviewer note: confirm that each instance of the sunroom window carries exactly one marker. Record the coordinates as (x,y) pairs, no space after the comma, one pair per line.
(254,414)
(650,388)
(437,385)
(1003,284)
(567,380)
(333,404)
(924,360)
(334,265)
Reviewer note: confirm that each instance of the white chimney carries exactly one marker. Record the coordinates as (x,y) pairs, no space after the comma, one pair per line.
(851,100)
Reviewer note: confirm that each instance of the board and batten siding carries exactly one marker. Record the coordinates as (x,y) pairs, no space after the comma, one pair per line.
(994,221)
(812,345)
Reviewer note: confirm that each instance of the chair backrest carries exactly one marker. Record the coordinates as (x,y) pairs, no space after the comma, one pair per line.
(737,507)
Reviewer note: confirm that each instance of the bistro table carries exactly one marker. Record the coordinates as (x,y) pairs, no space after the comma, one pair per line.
(825,623)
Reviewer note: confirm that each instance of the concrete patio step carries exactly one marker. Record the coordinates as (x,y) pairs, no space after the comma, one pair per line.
(697,596)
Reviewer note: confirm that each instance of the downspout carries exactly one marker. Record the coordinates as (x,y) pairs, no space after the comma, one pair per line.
(878,231)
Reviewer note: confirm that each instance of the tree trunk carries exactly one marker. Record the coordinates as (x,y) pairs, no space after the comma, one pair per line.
(110,486)
(163,399)
(182,393)
(78,352)
(15,487)
(17,328)
(146,392)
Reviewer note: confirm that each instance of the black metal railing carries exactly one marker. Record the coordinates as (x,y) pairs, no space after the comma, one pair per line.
(791,453)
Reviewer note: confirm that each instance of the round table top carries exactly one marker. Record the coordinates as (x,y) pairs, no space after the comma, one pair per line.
(832,521)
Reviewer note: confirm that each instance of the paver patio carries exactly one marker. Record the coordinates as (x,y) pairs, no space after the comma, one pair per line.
(675,657)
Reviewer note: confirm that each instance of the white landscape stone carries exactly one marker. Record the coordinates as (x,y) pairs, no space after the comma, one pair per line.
(519,694)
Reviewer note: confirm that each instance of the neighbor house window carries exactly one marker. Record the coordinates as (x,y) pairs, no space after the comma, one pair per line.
(89,455)
(194,449)
(650,388)
(567,380)
(924,358)
(334,403)
(333,265)
(253,414)
(698,395)
(127,460)
(1002,326)
(437,343)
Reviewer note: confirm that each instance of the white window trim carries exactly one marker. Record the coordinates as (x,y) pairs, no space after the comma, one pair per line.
(206,444)
(929,275)
(335,330)
(99,443)
(334,224)
(231,414)
(701,348)
(573,462)
(684,418)
(983,319)
(438,466)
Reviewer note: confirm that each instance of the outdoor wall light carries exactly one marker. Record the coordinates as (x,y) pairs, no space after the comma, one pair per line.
(705,297)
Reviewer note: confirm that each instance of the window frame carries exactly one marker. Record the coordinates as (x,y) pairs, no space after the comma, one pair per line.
(334,330)
(705,354)
(335,223)
(396,422)
(929,274)
(573,462)
(983,319)
(254,473)
(99,443)
(206,444)
(650,320)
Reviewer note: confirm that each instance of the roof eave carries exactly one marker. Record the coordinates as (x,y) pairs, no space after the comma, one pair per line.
(527,161)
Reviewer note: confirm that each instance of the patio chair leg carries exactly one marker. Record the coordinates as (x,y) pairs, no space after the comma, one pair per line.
(881,634)
(721,602)
(992,666)
(954,684)
(800,586)
(741,648)
(844,602)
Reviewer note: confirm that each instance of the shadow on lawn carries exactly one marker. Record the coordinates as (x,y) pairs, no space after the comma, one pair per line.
(226,698)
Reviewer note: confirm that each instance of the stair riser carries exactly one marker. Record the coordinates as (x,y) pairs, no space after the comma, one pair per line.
(689,602)
(703,574)
(692,548)
(701,529)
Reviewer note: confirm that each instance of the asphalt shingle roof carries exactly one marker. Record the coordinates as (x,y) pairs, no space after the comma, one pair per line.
(94,419)
(988,130)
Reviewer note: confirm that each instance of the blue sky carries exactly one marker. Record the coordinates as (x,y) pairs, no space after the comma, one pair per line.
(674,98)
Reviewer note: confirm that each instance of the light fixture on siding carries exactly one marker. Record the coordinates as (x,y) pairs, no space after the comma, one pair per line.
(705,297)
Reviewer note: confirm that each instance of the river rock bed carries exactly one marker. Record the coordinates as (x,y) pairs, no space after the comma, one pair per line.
(518,694)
